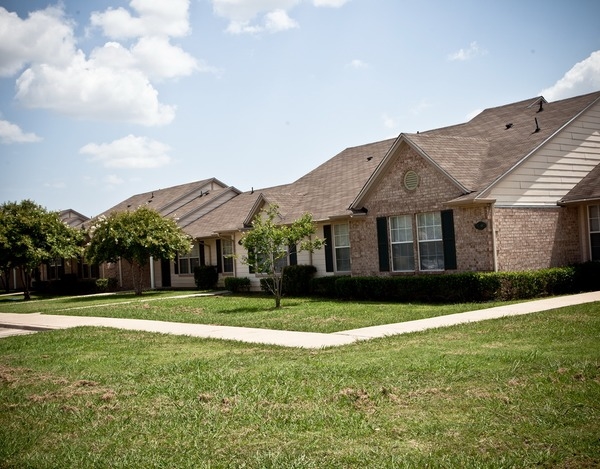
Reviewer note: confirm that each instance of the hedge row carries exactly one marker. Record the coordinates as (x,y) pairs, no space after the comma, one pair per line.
(463,287)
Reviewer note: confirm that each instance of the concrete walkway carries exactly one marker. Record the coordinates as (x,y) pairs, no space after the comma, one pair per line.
(310,340)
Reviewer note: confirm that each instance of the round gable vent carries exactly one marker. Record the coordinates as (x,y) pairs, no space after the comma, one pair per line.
(411,180)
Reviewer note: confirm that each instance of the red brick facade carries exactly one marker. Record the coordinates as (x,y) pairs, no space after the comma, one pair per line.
(524,238)
(536,238)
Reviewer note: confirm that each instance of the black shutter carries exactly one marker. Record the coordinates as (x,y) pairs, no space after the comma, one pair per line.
(176,265)
(202,254)
(328,248)
(293,254)
(383,245)
(219,257)
(449,240)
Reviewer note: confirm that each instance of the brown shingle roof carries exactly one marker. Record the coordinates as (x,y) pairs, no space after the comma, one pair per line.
(510,133)
(478,153)
(176,201)
(326,192)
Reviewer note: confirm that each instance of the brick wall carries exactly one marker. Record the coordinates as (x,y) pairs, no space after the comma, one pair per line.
(536,238)
(390,197)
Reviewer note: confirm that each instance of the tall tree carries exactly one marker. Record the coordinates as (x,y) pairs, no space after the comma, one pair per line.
(267,243)
(31,235)
(136,236)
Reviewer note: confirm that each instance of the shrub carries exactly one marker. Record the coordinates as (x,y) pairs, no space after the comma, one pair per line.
(324,286)
(587,276)
(296,279)
(460,287)
(237,284)
(109,284)
(206,277)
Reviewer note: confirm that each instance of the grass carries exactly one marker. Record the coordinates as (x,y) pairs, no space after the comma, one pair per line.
(298,314)
(514,392)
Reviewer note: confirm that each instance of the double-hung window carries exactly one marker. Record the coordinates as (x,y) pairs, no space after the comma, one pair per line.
(188,260)
(594,218)
(431,243)
(401,239)
(416,242)
(341,243)
(227,253)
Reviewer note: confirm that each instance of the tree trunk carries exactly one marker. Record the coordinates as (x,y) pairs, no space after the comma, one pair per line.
(137,272)
(26,276)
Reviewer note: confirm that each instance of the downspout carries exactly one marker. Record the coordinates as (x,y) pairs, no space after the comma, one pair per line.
(494,251)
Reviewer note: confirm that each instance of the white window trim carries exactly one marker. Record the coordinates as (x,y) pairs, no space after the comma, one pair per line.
(336,246)
(411,242)
(435,240)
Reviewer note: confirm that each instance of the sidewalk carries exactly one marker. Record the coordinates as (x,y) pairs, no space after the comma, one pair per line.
(309,340)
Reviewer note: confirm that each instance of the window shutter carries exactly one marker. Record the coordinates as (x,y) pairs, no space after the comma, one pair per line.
(202,253)
(383,244)
(176,265)
(293,254)
(219,257)
(328,248)
(449,240)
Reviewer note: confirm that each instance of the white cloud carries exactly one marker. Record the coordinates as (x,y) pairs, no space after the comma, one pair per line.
(129,152)
(154,18)
(583,78)
(357,63)
(158,58)
(115,82)
(474,50)
(278,20)
(329,3)
(86,90)
(256,16)
(55,185)
(12,133)
(45,36)
(113,180)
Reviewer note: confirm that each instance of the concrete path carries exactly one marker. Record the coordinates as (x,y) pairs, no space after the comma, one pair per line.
(311,340)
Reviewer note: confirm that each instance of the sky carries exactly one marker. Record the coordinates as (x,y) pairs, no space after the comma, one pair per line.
(104,99)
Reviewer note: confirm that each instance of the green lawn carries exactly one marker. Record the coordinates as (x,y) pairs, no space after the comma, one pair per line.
(515,392)
(298,314)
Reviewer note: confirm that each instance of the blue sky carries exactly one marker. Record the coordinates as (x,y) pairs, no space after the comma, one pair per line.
(103,99)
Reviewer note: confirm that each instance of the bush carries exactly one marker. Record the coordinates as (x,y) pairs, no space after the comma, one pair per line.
(587,276)
(237,284)
(296,279)
(324,286)
(206,277)
(109,284)
(462,287)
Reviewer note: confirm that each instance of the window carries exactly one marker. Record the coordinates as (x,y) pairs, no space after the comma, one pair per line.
(262,261)
(55,269)
(341,242)
(401,238)
(435,244)
(431,244)
(227,251)
(594,214)
(187,261)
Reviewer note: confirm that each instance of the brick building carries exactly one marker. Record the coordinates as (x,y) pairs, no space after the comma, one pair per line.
(515,188)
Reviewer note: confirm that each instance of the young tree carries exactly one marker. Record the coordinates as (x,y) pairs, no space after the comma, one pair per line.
(30,235)
(267,243)
(136,236)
